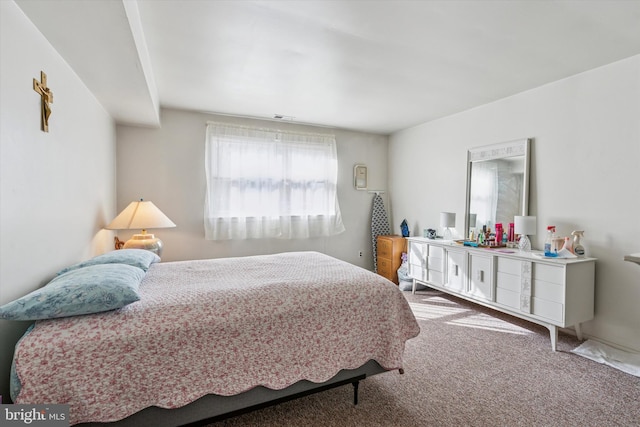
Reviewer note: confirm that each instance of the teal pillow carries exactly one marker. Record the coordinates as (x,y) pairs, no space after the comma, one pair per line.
(87,290)
(140,258)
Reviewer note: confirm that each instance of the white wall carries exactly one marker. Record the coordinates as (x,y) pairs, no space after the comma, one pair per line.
(585,175)
(57,189)
(166,166)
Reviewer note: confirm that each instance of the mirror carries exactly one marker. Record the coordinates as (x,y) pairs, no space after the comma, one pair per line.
(497,184)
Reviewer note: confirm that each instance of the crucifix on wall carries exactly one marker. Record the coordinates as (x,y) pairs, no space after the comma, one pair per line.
(47,98)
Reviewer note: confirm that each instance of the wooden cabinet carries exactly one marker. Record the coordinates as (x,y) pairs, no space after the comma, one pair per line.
(389,256)
(550,292)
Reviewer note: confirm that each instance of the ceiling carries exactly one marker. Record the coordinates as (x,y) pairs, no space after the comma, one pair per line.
(374,66)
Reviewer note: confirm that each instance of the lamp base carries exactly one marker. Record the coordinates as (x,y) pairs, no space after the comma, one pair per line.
(524,244)
(145,241)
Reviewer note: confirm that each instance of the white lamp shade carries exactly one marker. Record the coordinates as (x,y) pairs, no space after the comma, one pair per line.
(447,219)
(140,215)
(525,225)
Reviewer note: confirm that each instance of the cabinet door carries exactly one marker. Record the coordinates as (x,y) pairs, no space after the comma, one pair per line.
(435,264)
(481,276)
(456,277)
(417,261)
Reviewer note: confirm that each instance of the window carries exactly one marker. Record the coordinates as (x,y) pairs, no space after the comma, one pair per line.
(264,183)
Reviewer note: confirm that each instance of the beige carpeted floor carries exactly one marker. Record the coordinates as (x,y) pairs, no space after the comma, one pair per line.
(472,366)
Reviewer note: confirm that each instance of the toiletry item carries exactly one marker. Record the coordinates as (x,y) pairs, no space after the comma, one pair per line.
(568,245)
(548,241)
(578,248)
(511,236)
(498,233)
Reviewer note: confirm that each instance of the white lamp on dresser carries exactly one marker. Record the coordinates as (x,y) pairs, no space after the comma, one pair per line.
(447,220)
(525,226)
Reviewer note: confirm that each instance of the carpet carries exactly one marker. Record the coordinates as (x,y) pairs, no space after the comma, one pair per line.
(472,366)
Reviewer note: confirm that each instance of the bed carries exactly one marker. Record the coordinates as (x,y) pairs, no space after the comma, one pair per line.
(211,337)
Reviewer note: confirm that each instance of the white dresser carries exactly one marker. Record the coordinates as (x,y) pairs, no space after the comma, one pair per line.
(547,291)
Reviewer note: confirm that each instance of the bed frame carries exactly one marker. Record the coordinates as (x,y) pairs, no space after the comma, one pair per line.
(212,408)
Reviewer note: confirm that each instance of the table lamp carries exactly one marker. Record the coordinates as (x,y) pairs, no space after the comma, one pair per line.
(447,220)
(525,226)
(141,215)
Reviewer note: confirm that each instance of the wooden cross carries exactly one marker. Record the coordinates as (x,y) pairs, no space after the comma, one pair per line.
(47,98)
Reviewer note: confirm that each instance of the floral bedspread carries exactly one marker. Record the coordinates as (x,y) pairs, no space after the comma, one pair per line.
(220,326)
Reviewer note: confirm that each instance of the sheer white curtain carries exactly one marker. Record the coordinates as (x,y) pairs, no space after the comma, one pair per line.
(263,183)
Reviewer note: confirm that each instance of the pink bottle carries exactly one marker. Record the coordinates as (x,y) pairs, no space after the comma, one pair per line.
(498,234)
(511,234)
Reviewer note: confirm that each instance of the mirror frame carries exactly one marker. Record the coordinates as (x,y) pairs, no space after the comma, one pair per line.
(518,147)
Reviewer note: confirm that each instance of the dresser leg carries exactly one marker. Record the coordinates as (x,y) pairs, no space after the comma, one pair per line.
(553,333)
(413,288)
(578,331)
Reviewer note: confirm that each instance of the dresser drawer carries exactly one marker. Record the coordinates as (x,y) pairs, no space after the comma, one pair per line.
(508,298)
(510,282)
(417,272)
(548,291)
(548,273)
(436,252)
(385,248)
(384,264)
(509,266)
(436,277)
(417,253)
(435,264)
(547,309)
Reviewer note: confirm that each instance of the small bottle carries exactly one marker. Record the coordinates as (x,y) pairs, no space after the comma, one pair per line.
(511,237)
(498,233)
(548,241)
